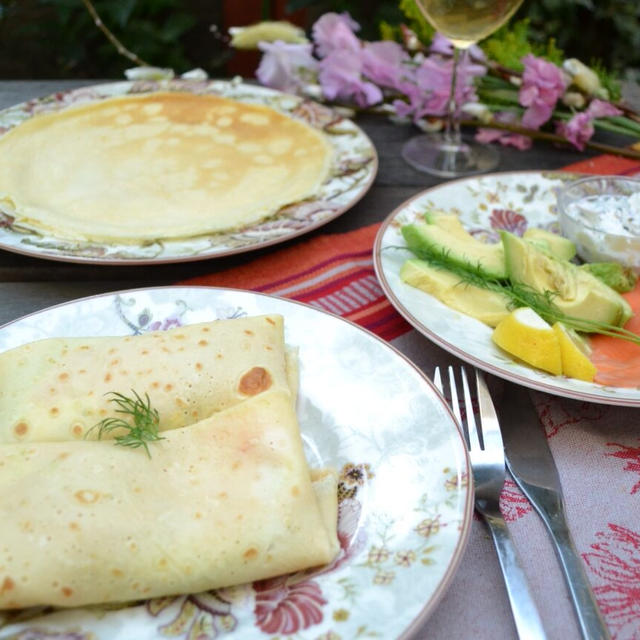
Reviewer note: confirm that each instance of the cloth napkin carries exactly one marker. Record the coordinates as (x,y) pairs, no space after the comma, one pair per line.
(596,448)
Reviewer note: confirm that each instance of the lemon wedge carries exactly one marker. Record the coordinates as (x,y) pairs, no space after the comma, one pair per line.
(524,334)
(575,354)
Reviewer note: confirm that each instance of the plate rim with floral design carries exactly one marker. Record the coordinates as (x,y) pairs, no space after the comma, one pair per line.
(423,311)
(438,525)
(354,168)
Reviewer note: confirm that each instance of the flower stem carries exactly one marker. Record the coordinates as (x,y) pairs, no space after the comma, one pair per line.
(120,48)
(552,137)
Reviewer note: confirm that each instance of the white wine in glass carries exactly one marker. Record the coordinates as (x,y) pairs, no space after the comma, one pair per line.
(464,22)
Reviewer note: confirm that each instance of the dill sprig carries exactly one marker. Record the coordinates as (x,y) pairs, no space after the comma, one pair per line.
(522,295)
(145,421)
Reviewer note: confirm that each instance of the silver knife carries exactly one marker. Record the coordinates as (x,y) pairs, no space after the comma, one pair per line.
(531,464)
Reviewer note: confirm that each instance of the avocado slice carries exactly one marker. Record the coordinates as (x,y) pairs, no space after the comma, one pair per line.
(558,246)
(578,293)
(448,221)
(613,274)
(489,307)
(426,240)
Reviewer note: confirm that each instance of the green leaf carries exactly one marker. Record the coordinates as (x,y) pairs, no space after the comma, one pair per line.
(416,21)
(608,79)
(123,12)
(145,418)
(175,25)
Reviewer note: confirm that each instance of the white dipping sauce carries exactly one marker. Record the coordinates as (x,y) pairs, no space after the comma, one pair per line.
(605,227)
(615,214)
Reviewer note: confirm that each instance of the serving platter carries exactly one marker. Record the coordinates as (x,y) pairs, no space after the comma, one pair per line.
(405,500)
(513,201)
(352,172)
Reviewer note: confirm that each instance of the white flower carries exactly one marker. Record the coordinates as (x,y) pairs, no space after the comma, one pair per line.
(573,99)
(268,31)
(149,73)
(195,74)
(584,78)
(478,110)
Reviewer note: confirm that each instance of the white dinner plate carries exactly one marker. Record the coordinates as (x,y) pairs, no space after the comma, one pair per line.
(352,172)
(485,204)
(405,499)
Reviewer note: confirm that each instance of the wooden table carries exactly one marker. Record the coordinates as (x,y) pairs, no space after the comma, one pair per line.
(28,284)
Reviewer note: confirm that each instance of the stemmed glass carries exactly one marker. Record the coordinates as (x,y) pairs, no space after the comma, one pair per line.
(464,22)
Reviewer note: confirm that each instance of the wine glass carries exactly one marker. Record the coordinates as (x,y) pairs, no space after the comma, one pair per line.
(464,22)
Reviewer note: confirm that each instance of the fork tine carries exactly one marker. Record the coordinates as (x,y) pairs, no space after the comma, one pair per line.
(474,438)
(453,389)
(491,436)
(455,405)
(437,380)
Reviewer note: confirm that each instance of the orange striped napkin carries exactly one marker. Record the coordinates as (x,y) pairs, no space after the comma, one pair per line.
(334,272)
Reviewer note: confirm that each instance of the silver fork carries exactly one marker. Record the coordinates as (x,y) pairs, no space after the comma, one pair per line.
(484,443)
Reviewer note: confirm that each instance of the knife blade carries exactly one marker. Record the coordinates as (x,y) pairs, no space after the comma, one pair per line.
(531,464)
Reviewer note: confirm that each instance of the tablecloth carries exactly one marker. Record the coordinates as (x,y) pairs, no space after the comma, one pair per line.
(596,448)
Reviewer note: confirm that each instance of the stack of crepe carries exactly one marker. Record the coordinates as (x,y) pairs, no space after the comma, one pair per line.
(225,497)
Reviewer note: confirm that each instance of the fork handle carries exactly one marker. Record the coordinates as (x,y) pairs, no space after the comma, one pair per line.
(523,607)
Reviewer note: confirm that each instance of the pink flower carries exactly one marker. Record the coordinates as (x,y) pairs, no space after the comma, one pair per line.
(341,77)
(335,31)
(382,62)
(579,129)
(429,87)
(542,85)
(283,609)
(285,66)
(506,138)
(601,109)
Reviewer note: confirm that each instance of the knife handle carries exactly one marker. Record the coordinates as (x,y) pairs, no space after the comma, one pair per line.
(592,625)
(523,607)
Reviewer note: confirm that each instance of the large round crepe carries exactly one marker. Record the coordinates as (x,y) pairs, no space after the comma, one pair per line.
(55,389)
(154,166)
(225,501)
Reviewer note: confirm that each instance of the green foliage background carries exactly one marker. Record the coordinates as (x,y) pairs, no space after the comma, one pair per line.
(57,38)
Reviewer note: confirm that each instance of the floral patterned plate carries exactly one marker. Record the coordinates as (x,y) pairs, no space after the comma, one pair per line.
(404,494)
(485,204)
(353,170)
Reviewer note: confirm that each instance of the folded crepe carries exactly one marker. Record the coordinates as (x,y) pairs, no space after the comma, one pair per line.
(56,389)
(225,501)
(163,165)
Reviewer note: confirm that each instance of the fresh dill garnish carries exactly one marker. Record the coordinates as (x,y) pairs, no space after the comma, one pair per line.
(145,421)
(521,295)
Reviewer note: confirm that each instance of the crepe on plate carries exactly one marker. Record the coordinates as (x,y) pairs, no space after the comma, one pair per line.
(56,388)
(225,501)
(157,166)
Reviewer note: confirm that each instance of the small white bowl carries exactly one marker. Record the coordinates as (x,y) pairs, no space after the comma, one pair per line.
(601,215)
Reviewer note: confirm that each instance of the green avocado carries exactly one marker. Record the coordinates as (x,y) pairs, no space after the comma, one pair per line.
(577,292)
(489,307)
(448,221)
(613,274)
(556,245)
(427,240)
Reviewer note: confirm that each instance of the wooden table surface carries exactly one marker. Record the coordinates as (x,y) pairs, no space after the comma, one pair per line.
(28,284)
